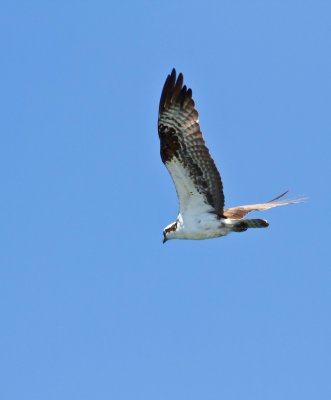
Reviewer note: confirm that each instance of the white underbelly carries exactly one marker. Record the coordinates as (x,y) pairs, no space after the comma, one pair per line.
(201,228)
(200,235)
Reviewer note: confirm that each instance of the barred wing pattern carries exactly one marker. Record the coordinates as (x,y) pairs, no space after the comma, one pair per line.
(184,153)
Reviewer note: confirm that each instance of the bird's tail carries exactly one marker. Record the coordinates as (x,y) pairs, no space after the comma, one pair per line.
(244,224)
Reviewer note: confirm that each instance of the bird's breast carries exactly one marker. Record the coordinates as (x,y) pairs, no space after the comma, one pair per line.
(200,227)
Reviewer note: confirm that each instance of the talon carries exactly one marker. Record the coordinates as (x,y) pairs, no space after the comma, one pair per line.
(240,227)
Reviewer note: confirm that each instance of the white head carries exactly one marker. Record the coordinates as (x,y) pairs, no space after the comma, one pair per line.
(169,232)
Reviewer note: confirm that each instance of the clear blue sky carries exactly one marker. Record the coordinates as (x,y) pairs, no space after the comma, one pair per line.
(92,305)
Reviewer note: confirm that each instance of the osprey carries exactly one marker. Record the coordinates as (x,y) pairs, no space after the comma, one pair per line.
(198,183)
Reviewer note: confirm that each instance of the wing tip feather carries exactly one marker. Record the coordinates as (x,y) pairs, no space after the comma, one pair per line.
(175,92)
(293,200)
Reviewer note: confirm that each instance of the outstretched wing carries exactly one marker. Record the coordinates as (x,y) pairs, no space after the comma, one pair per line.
(184,153)
(241,211)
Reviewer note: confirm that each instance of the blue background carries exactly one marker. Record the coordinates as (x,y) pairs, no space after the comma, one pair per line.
(92,305)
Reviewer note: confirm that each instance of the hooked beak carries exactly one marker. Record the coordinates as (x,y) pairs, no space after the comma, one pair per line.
(164,238)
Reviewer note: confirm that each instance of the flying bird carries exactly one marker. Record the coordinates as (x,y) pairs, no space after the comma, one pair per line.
(198,183)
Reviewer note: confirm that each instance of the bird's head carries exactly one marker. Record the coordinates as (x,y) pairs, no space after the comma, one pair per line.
(168,236)
(164,236)
(169,232)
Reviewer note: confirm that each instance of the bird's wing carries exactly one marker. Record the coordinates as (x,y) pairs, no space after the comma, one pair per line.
(241,211)
(184,153)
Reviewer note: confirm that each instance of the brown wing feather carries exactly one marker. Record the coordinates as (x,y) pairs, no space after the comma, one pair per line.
(241,211)
(181,139)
